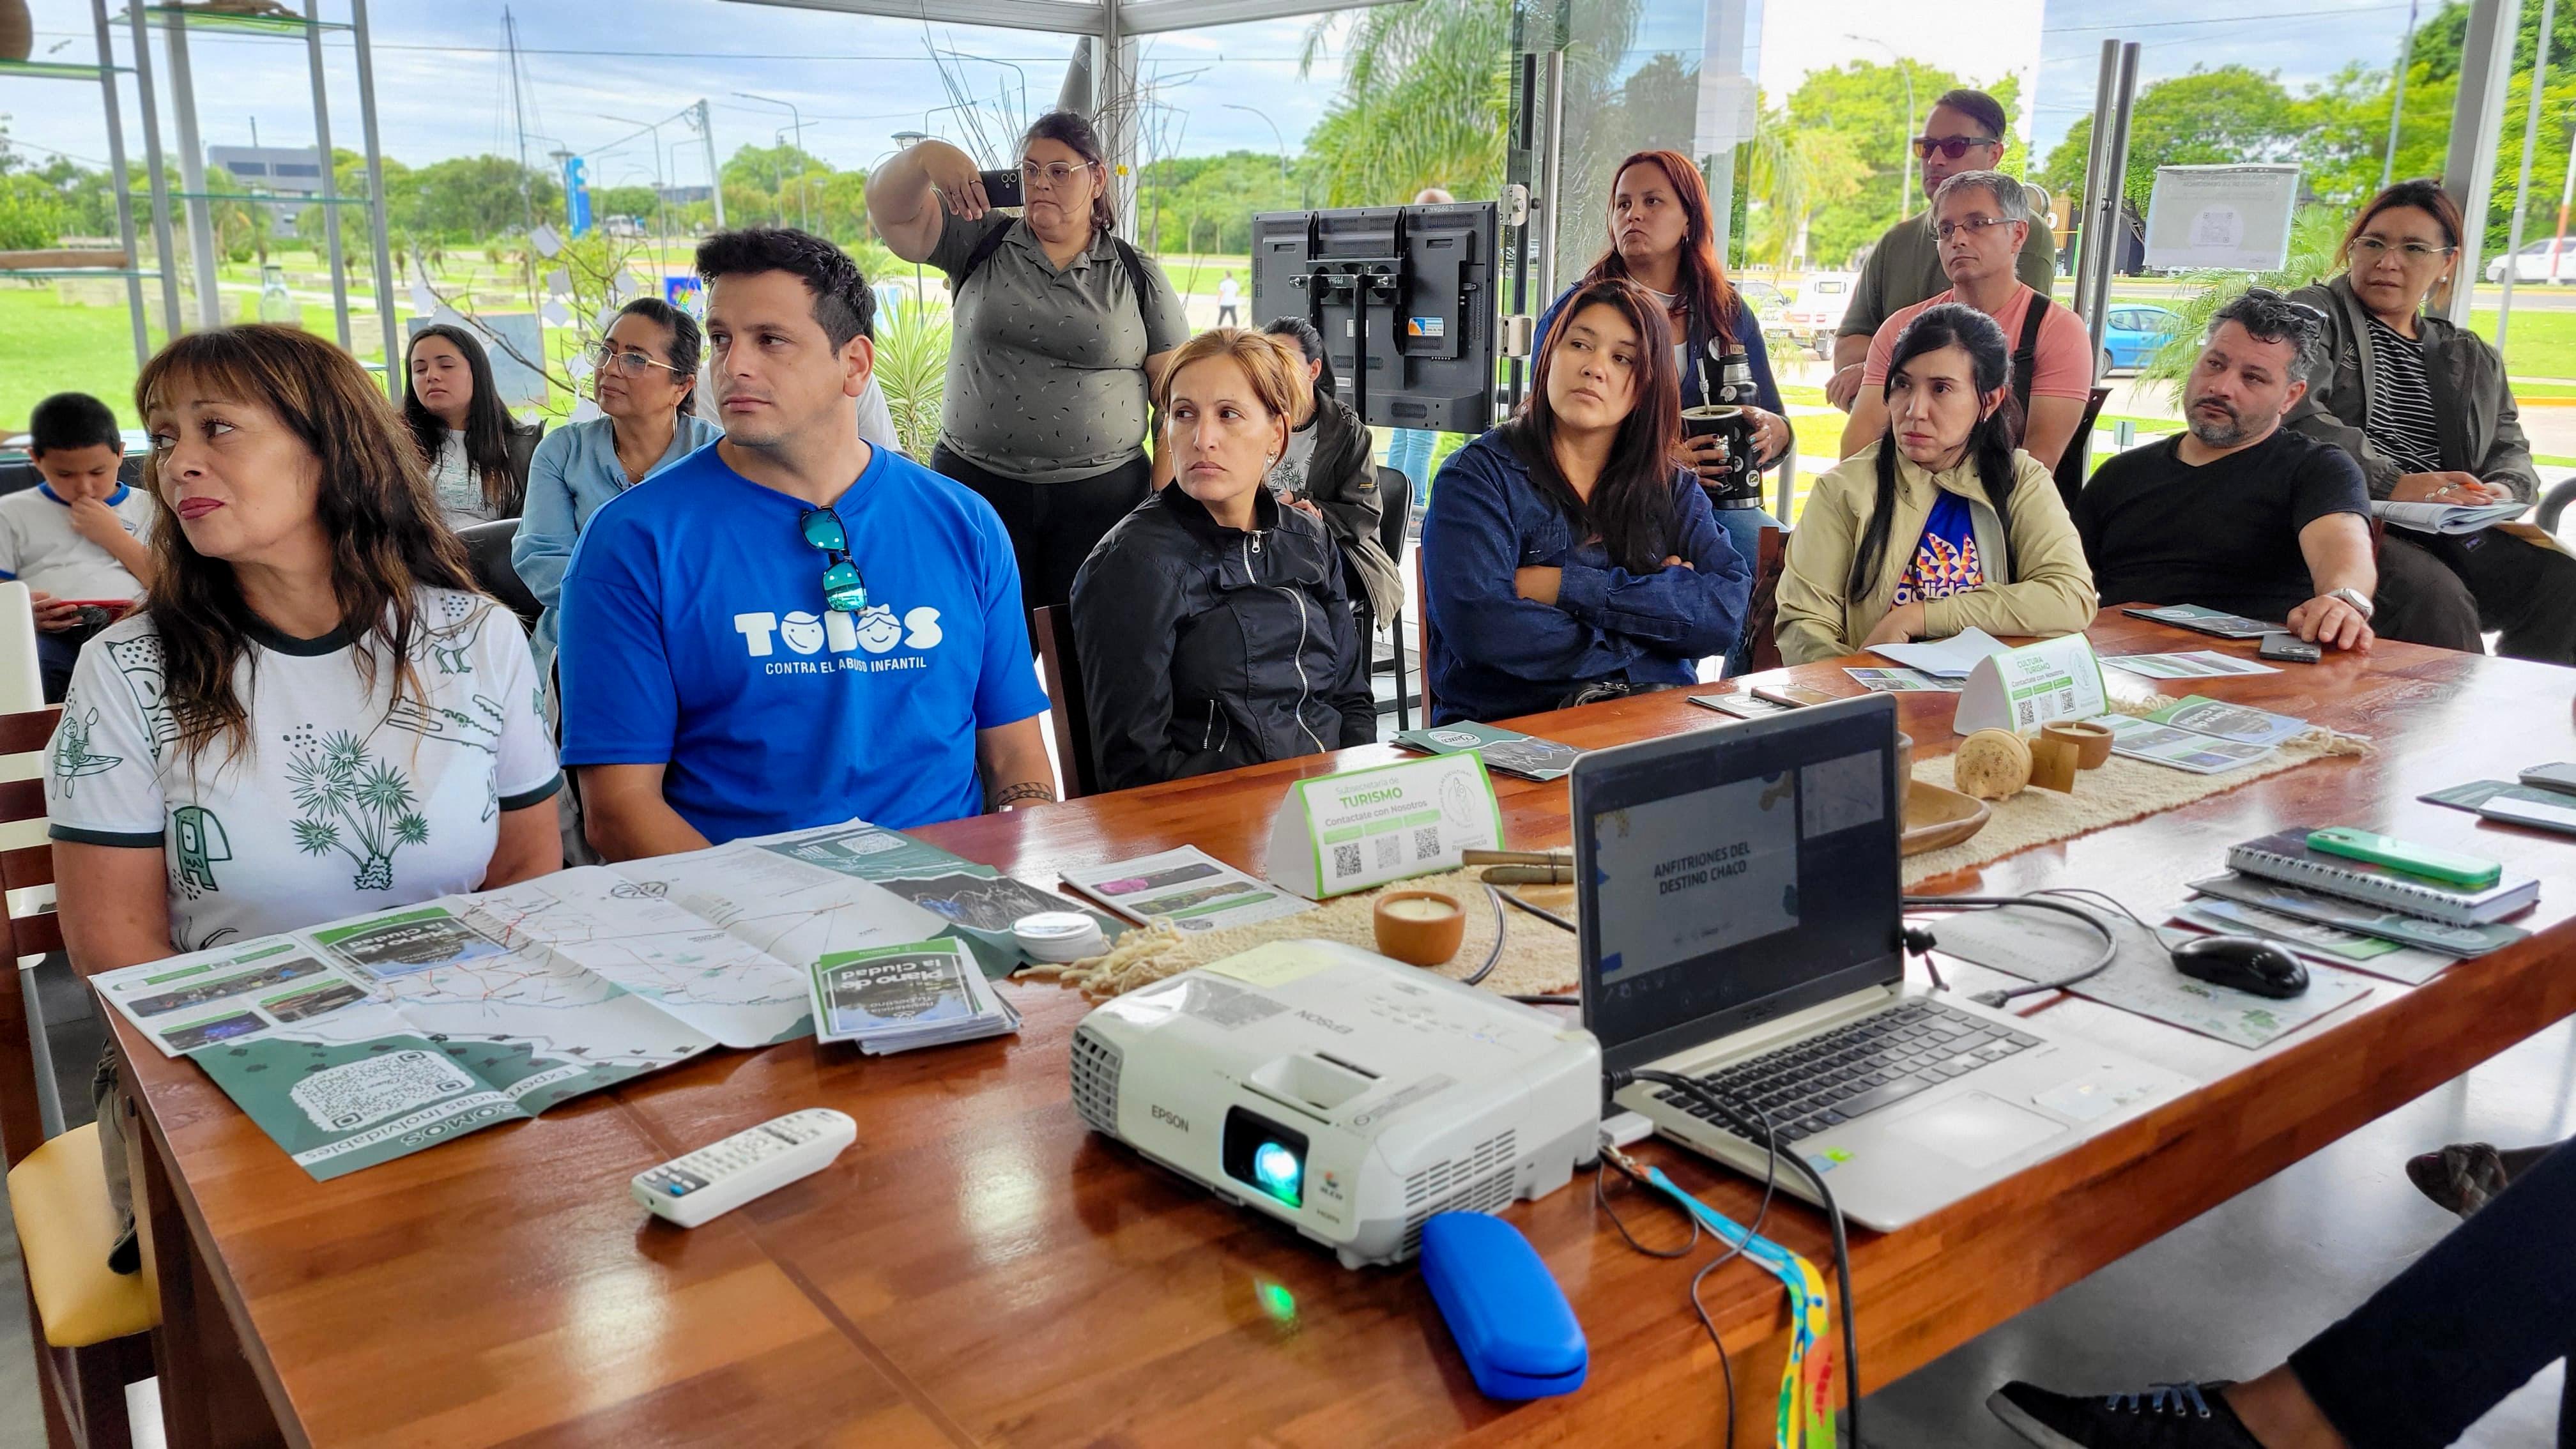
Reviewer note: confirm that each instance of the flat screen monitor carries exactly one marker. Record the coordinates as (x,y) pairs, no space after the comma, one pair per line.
(1405,299)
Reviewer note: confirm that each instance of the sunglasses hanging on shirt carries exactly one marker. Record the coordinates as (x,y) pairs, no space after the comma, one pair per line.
(843,586)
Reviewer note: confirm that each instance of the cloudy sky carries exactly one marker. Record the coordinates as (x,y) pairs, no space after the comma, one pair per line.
(443,87)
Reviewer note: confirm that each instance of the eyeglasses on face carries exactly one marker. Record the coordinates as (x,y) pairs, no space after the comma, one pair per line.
(2371,249)
(1949,229)
(1953,147)
(843,587)
(1051,174)
(627,361)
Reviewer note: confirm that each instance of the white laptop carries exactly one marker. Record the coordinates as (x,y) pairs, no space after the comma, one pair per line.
(1740,926)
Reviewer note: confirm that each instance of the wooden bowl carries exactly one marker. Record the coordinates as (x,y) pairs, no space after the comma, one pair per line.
(1935,817)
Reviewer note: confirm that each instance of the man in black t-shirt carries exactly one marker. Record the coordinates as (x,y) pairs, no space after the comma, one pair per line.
(2239,513)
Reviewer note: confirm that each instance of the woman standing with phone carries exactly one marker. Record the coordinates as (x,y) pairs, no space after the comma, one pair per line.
(1062,331)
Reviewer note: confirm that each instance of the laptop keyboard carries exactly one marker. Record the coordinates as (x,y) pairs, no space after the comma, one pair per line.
(1823,1081)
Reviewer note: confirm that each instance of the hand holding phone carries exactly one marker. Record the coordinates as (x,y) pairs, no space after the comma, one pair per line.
(1002,188)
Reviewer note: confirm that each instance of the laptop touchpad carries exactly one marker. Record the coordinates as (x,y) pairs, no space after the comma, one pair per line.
(1976,1129)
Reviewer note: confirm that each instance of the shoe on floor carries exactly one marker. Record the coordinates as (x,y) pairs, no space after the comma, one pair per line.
(2160,1416)
(2461,1177)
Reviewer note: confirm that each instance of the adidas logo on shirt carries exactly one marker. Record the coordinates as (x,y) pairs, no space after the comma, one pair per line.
(876,632)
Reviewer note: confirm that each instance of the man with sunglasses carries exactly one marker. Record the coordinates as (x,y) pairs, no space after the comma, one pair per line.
(2238,512)
(1980,220)
(793,627)
(1964,132)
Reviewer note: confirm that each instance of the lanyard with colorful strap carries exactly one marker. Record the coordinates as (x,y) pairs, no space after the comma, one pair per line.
(1806,1419)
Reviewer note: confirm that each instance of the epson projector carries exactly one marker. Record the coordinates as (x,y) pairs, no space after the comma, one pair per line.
(1348,1095)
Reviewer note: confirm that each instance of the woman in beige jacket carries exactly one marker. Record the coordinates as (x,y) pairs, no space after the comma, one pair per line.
(1941,525)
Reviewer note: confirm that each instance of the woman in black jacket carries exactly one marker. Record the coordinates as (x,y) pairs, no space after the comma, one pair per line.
(1211,622)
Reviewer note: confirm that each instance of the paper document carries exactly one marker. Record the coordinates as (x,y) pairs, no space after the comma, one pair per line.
(2412,965)
(2450,518)
(2192,664)
(2181,748)
(897,998)
(2242,723)
(1513,753)
(1949,658)
(1188,887)
(1902,681)
(361,1040)
(2206,621)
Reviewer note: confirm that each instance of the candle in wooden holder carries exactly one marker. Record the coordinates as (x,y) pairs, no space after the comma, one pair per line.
(1423,928)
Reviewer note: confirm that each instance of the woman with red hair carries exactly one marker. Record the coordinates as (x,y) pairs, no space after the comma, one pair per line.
(1662,237)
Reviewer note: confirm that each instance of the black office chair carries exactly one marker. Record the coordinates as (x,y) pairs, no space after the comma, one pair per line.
(487,547)
(1395,495)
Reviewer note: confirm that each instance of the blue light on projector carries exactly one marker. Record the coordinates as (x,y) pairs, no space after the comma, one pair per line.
(1278,1172)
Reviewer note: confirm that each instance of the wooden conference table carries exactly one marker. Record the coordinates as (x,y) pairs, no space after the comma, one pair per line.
(981,1269)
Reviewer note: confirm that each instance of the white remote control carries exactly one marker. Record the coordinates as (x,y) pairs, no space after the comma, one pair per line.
(716,1179)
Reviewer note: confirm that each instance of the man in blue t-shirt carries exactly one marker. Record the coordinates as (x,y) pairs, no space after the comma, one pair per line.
(790,627)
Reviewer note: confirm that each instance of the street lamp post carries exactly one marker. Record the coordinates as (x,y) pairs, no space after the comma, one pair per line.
(804,214)
(1275,136)
(1905,68)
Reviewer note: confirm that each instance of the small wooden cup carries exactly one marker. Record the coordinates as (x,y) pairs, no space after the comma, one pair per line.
(1419,927)
(2092,741)
(2054,761)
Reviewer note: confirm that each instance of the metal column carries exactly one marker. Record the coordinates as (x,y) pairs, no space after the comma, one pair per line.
(376,192)
(2477,123)
(117,184)
(2105,185)
(192,176)
(330,170)
(168,262)
(1551,174)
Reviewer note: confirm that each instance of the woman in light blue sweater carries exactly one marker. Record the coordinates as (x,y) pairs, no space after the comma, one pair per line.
(646,369)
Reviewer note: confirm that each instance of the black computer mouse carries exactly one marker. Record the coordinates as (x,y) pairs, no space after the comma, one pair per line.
(2243,962)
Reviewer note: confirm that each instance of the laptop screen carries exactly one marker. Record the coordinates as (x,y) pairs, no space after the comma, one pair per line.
(1736,874)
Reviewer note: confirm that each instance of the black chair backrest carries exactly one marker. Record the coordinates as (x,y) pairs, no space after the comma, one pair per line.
(2070,464)
(1395,495)
(1068,705)
(487,547)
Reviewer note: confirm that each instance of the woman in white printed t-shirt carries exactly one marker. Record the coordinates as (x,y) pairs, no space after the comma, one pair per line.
(314,714)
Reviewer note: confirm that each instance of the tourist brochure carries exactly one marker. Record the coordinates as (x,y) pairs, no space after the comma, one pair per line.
(2451,518)
(2412,965)
(2206,621)
(896,998)
(1949,658)
(1742,706)
(2191,664)
(1188,887)
(2184,749)
(1527,756)
(978,903)
(1901,681)
(2478,792)
(2244,724)
(361,1040)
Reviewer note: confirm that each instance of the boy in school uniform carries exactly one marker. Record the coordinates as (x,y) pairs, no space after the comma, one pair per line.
(80,542)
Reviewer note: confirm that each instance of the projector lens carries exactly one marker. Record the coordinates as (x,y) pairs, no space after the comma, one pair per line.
(1278,1172)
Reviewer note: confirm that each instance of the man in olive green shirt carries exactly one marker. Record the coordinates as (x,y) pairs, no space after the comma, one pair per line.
(1964,133)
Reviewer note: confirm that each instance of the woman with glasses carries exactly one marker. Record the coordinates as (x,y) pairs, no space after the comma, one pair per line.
(1211,622)
(315,713)
(1062,331)
(477,456)
(1943,524)
(643,375)
(2424,407)
(1566,556)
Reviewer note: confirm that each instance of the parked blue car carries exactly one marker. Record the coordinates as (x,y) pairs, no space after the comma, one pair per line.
(2132,333)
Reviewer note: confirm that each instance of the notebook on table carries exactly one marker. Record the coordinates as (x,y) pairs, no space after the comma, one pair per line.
(2286,857)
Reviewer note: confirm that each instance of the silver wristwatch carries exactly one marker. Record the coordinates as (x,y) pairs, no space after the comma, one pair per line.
(2359,601)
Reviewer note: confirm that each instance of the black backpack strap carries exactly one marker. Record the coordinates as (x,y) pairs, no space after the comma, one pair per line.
(982,253)
(2025,361)
(1135,266)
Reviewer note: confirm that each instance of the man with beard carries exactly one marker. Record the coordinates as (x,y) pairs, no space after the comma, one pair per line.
(2239,513)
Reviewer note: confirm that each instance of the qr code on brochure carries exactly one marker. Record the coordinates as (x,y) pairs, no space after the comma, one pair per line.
(1346,859)
(1426,843)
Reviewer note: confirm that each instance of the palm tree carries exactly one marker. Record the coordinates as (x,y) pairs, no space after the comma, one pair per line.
(1425,101)
(2315,235)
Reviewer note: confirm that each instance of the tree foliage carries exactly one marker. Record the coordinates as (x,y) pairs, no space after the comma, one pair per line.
(1425,101)
(1206,203)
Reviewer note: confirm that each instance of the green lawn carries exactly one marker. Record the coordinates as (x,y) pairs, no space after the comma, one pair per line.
(52,348)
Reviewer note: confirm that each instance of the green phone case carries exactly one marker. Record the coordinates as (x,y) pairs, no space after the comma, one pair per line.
(2447,866)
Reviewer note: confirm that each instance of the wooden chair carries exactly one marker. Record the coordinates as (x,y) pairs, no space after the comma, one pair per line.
(1762,607)
(1068,704)
(92,1326)
(2079,448)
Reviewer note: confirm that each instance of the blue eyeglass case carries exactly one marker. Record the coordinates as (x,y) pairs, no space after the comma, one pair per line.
(1511,1321)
